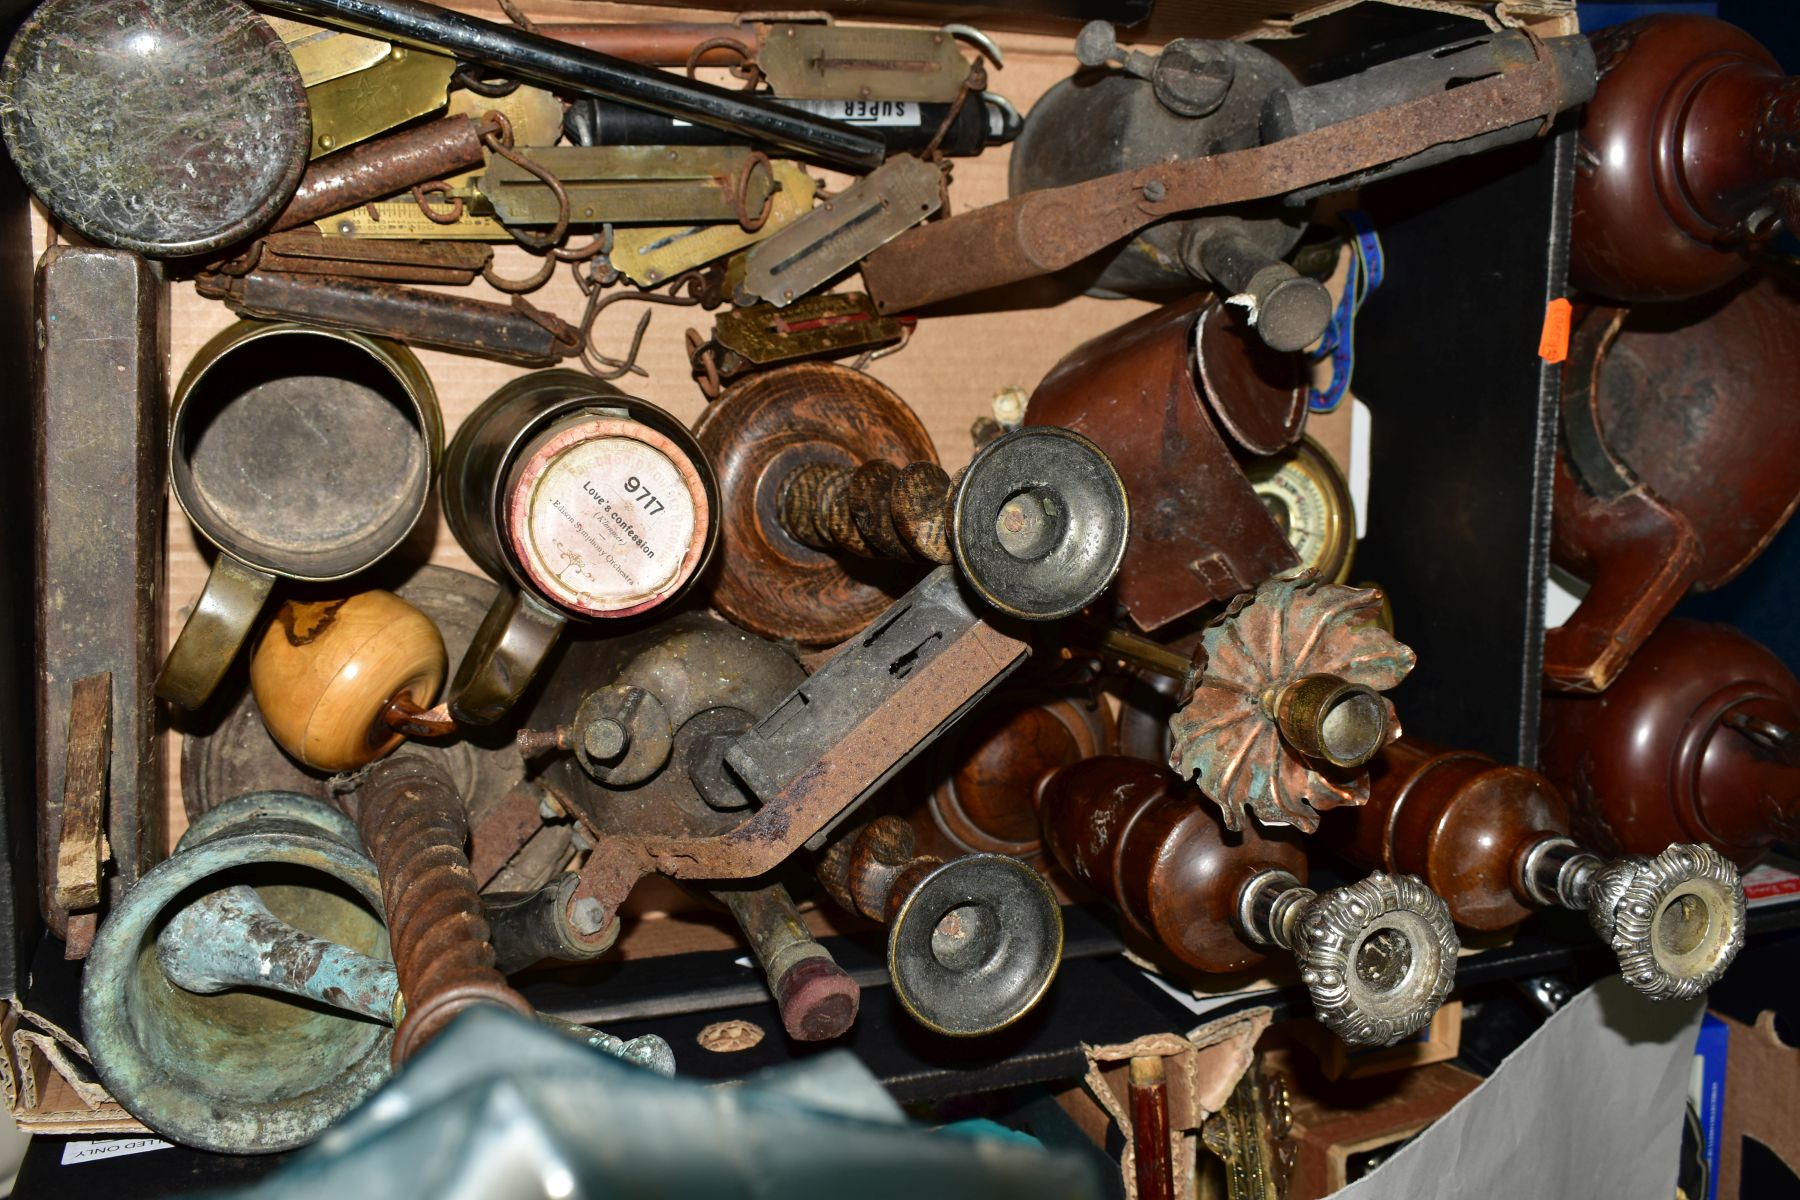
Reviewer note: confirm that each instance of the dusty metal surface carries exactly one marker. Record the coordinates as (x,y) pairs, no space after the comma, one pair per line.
(652,254)
(1227,734)
(860,718)
(515,333)
(244,1071)
(1044,231)
(1378,956)
(1099,123)
(806,62)
(415,826)
(828,326)
(100,423)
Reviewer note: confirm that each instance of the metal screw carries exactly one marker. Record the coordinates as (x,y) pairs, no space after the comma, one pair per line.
(1154,190)
(605,738)
(587,916)
(1009,407)
(532,742)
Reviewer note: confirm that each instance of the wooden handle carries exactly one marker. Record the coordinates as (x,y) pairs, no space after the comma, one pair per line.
(326,672)
(1641,556)
(877,510)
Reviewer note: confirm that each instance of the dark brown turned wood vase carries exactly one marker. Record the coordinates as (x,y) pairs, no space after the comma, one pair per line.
(985,774)
(1680,461)
(757,433)
(1458,820)
(1694,742)
(1152,845)
(1691,136)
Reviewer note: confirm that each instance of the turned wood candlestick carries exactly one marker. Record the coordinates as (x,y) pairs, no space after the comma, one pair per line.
(829,474)
(1688,150)
(1378,956)
(1494,842)
(340,683)
(1697,740)
(973,943)
(759,434)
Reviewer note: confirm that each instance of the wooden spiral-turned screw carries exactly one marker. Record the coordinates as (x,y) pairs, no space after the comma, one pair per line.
(876,510)
(416,828)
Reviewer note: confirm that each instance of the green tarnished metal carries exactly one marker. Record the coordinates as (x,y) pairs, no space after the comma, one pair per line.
(242,1071)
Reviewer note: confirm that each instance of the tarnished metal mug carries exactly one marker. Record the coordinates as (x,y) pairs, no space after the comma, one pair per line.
(301,453)
(592,504)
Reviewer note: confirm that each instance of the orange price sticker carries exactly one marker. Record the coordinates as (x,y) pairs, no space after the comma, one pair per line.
(1553,343)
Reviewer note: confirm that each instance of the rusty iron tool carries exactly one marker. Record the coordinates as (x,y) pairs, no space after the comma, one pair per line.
(515,333)
(304,252)
(648,717)
(844,229)
(558,65)
(382,167)
(415,827)
(1044,231)
(858,720)
(973,943)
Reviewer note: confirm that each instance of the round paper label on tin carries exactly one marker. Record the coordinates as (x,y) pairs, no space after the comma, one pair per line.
(609,524)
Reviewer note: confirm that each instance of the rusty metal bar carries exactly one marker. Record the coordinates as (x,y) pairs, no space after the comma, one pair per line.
(514,333)
(1044,231)
(382,167)
(843,733)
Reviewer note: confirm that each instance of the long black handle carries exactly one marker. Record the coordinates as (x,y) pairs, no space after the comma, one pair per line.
(554,64)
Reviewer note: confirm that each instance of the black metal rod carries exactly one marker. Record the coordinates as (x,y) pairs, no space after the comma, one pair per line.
(553,64)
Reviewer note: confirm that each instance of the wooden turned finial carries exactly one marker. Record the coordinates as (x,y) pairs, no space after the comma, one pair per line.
(326,672)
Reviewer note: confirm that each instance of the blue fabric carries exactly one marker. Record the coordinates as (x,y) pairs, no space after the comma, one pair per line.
(1339,343)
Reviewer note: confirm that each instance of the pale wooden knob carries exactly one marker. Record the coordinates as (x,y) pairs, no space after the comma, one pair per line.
(325,671)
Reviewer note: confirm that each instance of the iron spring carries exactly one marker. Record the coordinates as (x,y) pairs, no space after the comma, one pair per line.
(415,826)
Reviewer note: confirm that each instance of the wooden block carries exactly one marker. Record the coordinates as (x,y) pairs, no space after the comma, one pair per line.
(79,854)
(1337,1120)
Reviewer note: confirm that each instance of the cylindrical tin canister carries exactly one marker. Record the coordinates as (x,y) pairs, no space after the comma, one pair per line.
(302,453)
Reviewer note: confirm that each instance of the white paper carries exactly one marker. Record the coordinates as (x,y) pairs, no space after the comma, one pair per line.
(1590,1106)
(80,1152)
